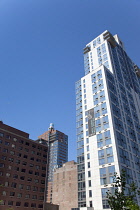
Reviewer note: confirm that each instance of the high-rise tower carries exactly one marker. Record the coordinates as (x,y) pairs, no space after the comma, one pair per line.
(107,120)
(58,154)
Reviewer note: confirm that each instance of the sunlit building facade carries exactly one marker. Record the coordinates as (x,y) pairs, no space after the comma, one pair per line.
(107,120)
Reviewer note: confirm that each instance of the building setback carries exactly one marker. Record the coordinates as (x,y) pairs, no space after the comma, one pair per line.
(65,192)
(58,154)
(22,170)
(107,120)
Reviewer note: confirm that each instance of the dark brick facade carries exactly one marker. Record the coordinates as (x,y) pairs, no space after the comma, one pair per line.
(22,170)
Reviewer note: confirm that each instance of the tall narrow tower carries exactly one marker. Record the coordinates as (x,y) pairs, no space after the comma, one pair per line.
(107,120)
(58,154)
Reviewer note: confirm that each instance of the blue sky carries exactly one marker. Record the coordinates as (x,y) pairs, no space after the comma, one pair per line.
(41,58)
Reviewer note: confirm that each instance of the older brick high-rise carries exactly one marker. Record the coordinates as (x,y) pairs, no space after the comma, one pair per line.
(22,170)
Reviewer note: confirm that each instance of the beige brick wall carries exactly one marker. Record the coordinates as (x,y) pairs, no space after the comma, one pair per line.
(65,186)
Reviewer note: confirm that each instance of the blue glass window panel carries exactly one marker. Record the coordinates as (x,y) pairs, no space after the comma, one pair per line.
(100,144)
(111,169)
(102,172)
(110,159)
(103,181)
(107,141)
(109,151)
(101,153)
(101,161)
(99,136)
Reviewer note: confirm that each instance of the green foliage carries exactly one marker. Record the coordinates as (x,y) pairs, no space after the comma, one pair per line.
(119,200)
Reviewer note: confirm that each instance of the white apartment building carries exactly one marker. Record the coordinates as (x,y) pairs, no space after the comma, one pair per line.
(107,120)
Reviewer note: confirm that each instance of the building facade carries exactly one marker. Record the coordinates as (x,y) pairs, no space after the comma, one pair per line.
(107,120)
(65,192)
(22,170)
(58,154)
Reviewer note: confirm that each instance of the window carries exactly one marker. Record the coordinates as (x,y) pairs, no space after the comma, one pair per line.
(19,195)
(28,187)
(14,185)
(15,139)
(89,173)
(44,168)
(88,164)
(16,168)
(90,193)
(36,181)
(26,204)
(7,174)
(24,163)
(35,188)
(88,156)
(103,181)
(27,144)
(105,204)
(2,203)
(7,143)
(101,153)
(37,173)
(34,197)
(2,165)
(4,193)
(27,196)
(10,203)
(5,150)
(40,205)
(41,198)
(29,179)
(109,151)
(23,170)
(12,193)
(8,137)
(15,176)
(25,156)
(30,172)
(90,203)
(102,172)
(42,181)
(21,186)
(21,141)
(13,146)
(1,134)
(18,161)
(89,183)
(42,189)
(26,150)
(22,177)
(33,204)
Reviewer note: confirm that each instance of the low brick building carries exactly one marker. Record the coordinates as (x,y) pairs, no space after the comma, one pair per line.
(65,192)
(22,170)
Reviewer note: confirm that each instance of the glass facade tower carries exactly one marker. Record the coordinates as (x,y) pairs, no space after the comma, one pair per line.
(107,120)
(58,154)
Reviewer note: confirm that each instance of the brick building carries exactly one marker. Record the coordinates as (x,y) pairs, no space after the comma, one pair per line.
(65,192)
(22,170)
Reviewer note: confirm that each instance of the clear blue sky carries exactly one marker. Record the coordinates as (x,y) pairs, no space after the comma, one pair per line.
(41,57)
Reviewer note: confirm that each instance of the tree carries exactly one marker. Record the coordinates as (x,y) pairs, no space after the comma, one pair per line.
(119,200)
